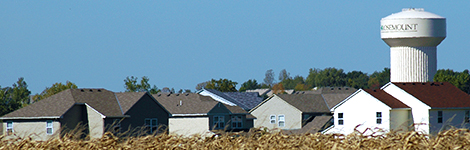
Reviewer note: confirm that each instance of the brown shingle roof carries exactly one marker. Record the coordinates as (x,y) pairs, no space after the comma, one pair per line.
(101,100)
(437,94)
(306,102)
(317,124)
(386,98)
(192,103)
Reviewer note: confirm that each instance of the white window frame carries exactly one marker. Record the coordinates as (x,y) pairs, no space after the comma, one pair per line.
(341,119)
(49,125)
(272,119)
(219,122)
(379,117)
(281,119)
(237,122)
(9,128)
(151,125)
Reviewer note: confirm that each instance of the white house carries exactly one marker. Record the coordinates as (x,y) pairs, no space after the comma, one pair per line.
(370,109)
(427,107)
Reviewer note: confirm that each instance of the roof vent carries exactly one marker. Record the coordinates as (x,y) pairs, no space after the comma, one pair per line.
(187,94)
(423,83)
(347,88)
(177,94)
(332,88)
(168,95)
(442,83)
(339,88)
(181,102)
(375,90)
(403,83)
(413,83)
(91,90)
(99,90)
(159,95)
(82,90)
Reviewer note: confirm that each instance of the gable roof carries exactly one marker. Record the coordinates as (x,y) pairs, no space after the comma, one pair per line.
(386,98)
(246,100)
(101,100)
(331,95)
(187,103)
(306,102)
(128,99)
(319,123)
(437,94)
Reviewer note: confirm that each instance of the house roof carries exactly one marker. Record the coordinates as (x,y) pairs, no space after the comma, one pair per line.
(246,100)
(260,91)
(187,103)
(331,95)
(317,124)
(128,99)
(437,94)
(306,102)
(386,98)
(101,100)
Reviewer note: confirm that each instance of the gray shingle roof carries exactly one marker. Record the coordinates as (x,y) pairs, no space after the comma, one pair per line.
(246,100)
(331,95)
(101,100)
(306,102)
(128,99)
(187,103)
(317,124)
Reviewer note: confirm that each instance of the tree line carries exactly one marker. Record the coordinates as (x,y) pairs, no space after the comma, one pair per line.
(17,96)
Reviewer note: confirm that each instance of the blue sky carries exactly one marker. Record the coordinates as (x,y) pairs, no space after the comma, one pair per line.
(178,44)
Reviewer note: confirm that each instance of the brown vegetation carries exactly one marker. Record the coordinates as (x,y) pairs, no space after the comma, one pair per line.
(256,139)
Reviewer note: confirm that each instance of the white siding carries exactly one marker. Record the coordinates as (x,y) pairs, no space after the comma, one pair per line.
(419,111)
(95,122)
(36,129)
(361,110)
(276,106)
(189,126)
(400,119)
(217,98)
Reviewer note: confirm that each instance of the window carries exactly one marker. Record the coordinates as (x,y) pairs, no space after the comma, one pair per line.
(273,119)
(340,119)
(282,121)
(467,116)
(379,117)
(49,126)
(9,127)
(237,122)
(219,122)
(439,116)
(151,124)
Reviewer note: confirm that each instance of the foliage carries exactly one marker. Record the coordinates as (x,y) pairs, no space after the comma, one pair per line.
(15,97)
(249,85)
(131,85)
(357,79)
(327,77)
(269,78)
(378,79)
(54,89)
(222,85)
(201,85)
(261,138)
(459,79)
(278,88)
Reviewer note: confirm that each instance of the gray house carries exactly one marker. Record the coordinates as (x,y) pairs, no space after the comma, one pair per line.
(192,113)
(96,110)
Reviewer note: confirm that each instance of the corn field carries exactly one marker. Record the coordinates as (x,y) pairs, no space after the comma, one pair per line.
(255,139)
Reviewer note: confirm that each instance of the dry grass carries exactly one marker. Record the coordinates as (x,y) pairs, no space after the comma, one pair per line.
(256,139)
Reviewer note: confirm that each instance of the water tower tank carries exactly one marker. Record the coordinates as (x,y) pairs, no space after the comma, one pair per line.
(413,36)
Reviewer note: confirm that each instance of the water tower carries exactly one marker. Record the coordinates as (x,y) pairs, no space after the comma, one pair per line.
(413,35)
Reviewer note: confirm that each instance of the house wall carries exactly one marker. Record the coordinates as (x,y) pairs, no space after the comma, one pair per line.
(95,122)
(75,117)
(419,111)
(36,129)
(276,106)
(400,119)
(450,118)
(146,107)
(360,111)
(189,126)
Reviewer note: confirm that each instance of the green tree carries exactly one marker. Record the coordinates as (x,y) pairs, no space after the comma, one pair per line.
(459,79)
(223,85)
(378,79)
(249,85)
(357,79)
(199,86)
(326,77)
(131,85)
(15,97)
(54,89)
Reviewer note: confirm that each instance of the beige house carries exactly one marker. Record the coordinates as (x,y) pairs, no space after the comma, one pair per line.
(192,113)
(292,112)
(96,110)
